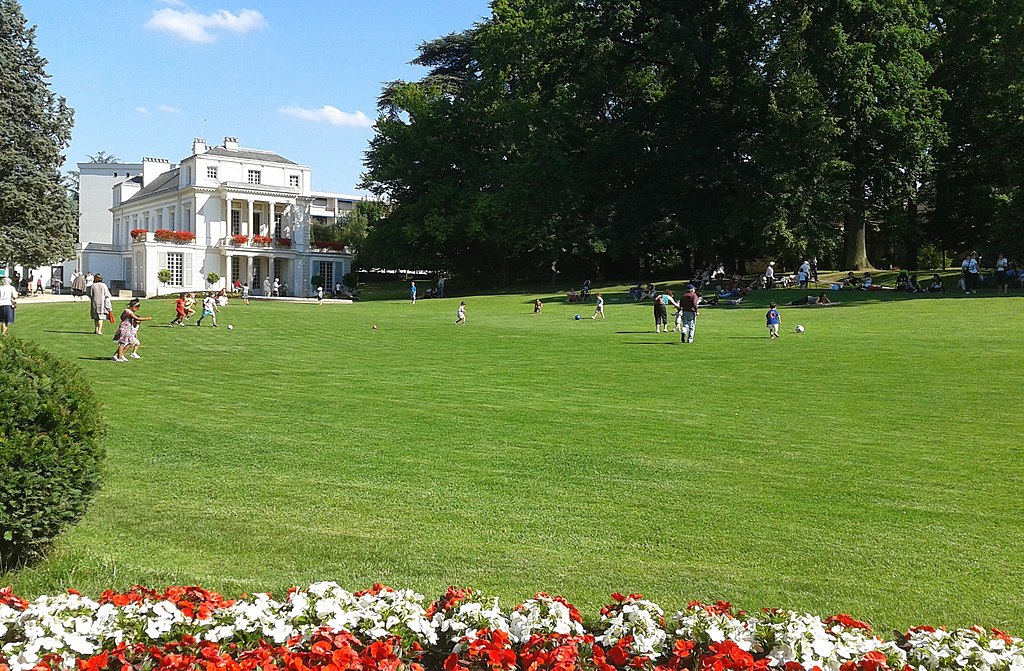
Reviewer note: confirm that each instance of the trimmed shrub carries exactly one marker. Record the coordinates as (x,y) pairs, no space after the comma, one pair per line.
(50,449)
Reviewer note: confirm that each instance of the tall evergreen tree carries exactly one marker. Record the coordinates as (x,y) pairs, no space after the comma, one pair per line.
(37,220)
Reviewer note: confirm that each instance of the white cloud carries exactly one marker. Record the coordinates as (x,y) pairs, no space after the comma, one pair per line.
(167,109)
(330,114)
(174,3)
(195,27)
(142,110)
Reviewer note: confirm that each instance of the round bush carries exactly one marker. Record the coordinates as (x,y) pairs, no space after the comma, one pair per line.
(50,449)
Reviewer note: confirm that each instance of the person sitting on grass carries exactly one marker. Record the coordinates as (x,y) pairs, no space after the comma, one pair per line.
(913,285)
(903,281)
(851,280)
(936,286)
(571,296)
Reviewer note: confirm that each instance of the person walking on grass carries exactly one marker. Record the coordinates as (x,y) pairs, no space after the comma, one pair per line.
(537,306)
(245,294)
(179,311)
(99,303)
(688,313)
(319,295)
(127,334)
(8,303)
(209,310)
(660,314)
(772,320)
(412,292)
(461,313)
(599,308)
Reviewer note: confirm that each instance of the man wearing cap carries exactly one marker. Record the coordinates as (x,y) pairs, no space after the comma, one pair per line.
(688,306)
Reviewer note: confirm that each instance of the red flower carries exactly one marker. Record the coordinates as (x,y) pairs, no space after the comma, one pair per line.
(8,598)
(847,621)
(717,608)
(1002,636)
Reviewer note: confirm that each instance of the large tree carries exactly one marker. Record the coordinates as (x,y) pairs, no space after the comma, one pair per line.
(980,184)
(855,73)
(37,220)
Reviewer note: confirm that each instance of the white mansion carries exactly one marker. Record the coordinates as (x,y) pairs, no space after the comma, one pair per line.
(241,213)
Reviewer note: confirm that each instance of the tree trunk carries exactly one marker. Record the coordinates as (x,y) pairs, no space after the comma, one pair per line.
(913,238)
(855,230)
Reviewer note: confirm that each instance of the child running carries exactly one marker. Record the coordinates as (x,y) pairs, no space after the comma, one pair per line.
(599,309)
(245,294)
(461,314)
(179,311)
(209,310)
(127,334)
(190,301)
(772,320)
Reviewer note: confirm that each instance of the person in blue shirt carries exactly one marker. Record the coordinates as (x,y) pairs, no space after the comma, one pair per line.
(772,320)
(412,292)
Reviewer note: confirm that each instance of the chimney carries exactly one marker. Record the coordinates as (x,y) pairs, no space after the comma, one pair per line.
(231,143)
(153,168)
(198,146)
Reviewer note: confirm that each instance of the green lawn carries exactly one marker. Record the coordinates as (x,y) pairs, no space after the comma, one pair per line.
(872,465)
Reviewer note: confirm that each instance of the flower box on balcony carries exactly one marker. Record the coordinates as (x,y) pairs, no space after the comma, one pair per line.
(163,235)
(261,240)
(239,239)
(283,242)
(138,234)
(184,237)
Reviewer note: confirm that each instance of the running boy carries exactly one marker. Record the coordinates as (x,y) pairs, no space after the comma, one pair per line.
(209,310)
(772,320)
(461,314)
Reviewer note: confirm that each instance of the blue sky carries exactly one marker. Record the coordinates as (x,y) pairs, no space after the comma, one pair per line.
(299,77)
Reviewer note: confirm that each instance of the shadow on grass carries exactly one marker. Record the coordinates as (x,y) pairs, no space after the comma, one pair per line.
(94,358)
(72,332)
(647,342)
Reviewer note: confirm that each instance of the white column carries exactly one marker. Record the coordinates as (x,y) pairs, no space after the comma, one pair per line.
(249,231)
(227,215)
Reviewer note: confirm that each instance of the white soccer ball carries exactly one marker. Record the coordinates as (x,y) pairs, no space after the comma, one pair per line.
(799,328)
(231,328)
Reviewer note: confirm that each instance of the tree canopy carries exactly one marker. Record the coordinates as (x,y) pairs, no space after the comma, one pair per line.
(623,137)
(37,219)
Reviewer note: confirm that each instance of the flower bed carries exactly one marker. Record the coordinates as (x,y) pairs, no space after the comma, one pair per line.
(381,629)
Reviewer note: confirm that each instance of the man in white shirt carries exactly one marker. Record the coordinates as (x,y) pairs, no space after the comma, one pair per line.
(769,276)
(8,301)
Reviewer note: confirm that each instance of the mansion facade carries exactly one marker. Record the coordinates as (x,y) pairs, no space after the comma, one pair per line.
(243,214)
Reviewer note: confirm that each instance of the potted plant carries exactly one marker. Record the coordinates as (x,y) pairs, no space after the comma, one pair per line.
(164,276)
(184,237)
(138,234)
(212,278)
(261,239)
(163,235)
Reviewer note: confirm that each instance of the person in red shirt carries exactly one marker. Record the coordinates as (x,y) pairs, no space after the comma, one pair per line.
(688,308)
(179,311)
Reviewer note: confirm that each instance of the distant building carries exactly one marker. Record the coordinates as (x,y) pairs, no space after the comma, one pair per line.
(242,213)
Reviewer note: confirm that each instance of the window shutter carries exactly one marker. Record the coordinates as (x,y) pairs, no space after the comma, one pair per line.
(187,270)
